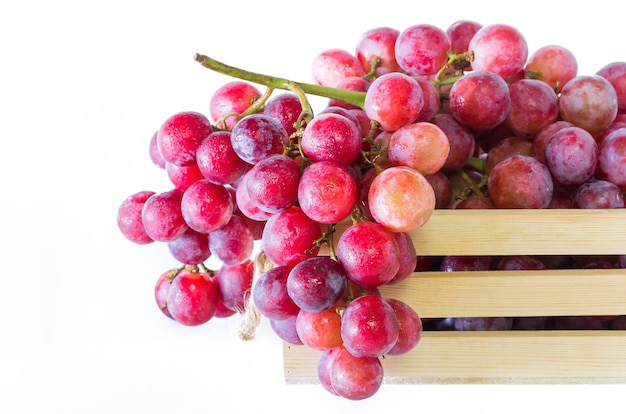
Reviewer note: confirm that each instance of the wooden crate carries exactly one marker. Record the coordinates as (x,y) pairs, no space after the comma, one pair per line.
(558,356)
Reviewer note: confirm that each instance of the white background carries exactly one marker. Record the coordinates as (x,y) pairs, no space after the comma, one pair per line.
(83,86)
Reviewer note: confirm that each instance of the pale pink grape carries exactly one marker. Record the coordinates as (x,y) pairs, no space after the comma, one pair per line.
(394,100)
(422,146)
(393,190)
(500,49)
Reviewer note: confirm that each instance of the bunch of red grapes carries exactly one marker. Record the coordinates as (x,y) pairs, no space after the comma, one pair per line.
(416,120)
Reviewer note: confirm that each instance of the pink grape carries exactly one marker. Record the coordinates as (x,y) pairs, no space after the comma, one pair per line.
(162,216)
(520,181)
(162,288)
(500,49)
(480,100)
(365,122)
(180,135)
(235,284)
(327,193)
(423,146)
(192,298)
(317,283)
(378,42)
(598,194)
(544,136)
(432,100)
(332,65)
(256,227)
(589,102)
(369,254)
(153,151)
(323,368)
(617,124)
(344,112)
(269,294)
(506,148)
(395,188)
(222,311)
(232,97)
(460,140)
(552,64)
(258,136)
(191,248)
(217,160)
(246,205)
(615,73)
(285,108)
(460,33)
(408,257)
(286,330)
(440,183)
(612,158)
(331,137)
(561,197)
(369,327)
(394,100)
(572,156)
(534,105)
(129,217)
(422,49)
(410,325)
(273,183)
(182,176)
(206,206)
(290,237)
(232,243)
(320,330)
(355,378)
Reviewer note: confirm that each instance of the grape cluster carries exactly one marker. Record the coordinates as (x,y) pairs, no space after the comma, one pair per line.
(416,120)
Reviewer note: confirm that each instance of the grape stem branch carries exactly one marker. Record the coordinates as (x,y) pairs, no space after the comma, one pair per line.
(351,97)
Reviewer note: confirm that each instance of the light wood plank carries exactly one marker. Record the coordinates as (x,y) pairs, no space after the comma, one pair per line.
(511,232)
(492,357)
(514,293)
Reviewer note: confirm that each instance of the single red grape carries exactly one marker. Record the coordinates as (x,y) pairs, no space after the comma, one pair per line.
(355,378)
(290,237)
(333,65)
(269,294)
(129,217)
(191,248)
(369,254)
(394,100)
(192,298)
(180,135)
(317,283)
(162,216)
(232,97)
(206,206)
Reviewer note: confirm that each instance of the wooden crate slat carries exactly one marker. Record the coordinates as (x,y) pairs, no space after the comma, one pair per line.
(514,293)
(500,232)
(492,357)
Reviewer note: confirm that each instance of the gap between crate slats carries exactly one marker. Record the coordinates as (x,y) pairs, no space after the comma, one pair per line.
(491,357)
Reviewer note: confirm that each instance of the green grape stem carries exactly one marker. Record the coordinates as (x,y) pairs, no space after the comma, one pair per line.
(273,82)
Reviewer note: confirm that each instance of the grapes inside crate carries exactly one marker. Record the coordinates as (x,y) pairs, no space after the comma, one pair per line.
(453,214)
